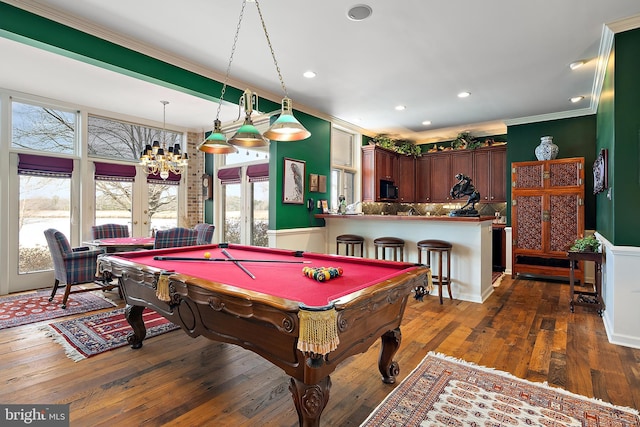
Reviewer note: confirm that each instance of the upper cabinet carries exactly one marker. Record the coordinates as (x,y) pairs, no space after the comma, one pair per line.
(429,178)
(377,164)
(490,173)
(406,181)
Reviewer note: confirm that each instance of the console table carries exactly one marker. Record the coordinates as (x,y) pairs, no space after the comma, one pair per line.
(582,297)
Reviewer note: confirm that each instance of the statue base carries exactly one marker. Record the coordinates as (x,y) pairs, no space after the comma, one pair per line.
(464,213)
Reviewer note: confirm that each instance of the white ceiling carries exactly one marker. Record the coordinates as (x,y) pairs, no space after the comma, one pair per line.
(513,56)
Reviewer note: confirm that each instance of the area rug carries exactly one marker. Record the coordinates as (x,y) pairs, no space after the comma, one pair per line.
(88,336)
(16,310)
(443,391)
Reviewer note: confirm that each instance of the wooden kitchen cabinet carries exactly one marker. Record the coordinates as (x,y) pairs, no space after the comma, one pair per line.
(444,167)
(423,179)
(377,164)
(547,215)
(490,174)
(429,178)
(406,179)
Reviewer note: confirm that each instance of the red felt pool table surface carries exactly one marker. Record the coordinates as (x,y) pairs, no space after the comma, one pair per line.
(279,279)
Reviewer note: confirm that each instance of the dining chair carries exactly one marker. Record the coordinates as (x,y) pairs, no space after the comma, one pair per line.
(72,266)
(108,231)
(205,233)
(175,237)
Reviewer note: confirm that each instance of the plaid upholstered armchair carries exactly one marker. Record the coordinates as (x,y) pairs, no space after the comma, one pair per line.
(72,266)
(175,237)
(205,233)
(109,231)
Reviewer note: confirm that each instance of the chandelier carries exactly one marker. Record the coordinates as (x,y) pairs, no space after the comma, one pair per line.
(157,158)
(285,128)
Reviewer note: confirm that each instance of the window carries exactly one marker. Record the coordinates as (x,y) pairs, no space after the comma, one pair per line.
(114,193)
(343,166)
(258,181)
(44,202)
(245,204)
(114,139)
(163,204)
(44,129)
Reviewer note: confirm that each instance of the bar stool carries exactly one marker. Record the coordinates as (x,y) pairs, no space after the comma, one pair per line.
(393,243)
(439,247)
(350,241)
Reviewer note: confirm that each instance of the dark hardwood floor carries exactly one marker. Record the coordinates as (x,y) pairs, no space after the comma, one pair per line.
(524,328)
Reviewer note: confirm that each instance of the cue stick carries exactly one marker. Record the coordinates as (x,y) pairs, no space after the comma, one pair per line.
(236,262)
(177,258)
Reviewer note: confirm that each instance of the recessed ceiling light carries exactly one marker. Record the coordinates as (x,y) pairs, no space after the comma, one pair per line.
(359,12)
(400,107)
(577,64)
(577,99)
(464,94)
(309,74)
(426,122)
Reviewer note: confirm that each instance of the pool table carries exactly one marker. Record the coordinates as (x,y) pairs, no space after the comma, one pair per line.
(259,298)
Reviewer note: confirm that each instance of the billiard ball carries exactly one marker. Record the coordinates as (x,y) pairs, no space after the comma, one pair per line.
(207,255)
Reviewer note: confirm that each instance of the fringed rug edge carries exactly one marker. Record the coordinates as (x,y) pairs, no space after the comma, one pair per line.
(69,350)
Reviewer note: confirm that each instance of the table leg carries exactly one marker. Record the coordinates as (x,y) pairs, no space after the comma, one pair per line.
(133,314)
(598,288)
(571,278)
(387,366)
(310,400)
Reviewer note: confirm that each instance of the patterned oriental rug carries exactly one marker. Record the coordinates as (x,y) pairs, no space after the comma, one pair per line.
(17,310)
(443,391)
(88,336)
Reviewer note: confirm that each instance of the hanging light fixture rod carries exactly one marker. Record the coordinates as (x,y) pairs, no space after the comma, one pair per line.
(285,128)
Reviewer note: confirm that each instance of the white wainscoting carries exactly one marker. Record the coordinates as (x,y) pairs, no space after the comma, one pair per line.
(621,293)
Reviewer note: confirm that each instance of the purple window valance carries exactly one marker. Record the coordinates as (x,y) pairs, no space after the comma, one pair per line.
(173,179)
(114,172)
(32,164)
(258,173)
(229,175)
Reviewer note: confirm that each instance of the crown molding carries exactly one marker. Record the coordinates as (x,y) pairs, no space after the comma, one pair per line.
(625,24)
(604,52)
(550,116)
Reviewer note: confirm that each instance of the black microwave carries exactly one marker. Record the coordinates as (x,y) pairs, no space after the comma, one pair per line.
(388,190)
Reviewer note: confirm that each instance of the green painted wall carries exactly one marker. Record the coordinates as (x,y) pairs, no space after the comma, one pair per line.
(625,182)
(315,151)
(575,137)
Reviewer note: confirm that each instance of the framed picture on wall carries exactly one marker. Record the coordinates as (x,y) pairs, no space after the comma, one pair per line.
(322,183)
(313,182)
(293,176)
(600,172)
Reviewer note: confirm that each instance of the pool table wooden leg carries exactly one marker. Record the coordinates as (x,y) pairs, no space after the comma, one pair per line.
(387,366)
(133,314)
(310,400)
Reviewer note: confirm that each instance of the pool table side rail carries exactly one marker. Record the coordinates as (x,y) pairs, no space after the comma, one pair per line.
(115,267)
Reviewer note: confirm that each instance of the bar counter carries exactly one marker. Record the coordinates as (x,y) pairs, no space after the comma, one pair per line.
(471,237)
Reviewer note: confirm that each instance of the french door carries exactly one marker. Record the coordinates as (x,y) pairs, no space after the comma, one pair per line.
(244,205)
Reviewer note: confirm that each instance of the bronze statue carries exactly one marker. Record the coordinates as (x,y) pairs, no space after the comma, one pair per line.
(464,187)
